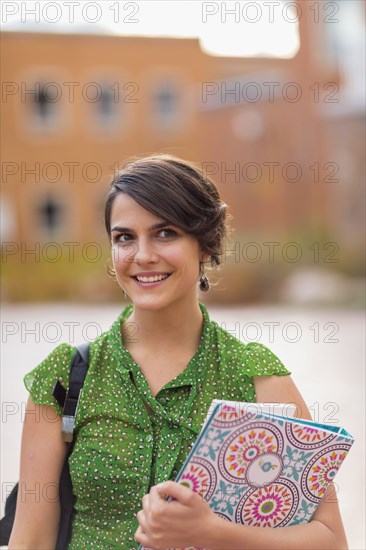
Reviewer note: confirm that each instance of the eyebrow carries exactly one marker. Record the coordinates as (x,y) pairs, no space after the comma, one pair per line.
(151,228)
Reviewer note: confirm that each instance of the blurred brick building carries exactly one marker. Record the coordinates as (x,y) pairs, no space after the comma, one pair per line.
(74,107)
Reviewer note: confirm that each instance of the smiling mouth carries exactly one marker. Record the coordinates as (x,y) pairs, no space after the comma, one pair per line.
(151,280)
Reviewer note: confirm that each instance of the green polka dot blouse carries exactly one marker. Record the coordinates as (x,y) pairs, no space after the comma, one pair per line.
(121,450)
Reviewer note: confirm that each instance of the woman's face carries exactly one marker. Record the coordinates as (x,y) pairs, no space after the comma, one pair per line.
(138,248)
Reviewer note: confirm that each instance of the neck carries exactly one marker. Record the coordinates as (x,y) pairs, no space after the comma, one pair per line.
(177,326)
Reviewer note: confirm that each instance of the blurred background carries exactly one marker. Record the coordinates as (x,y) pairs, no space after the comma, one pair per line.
(266,98)
(269,99)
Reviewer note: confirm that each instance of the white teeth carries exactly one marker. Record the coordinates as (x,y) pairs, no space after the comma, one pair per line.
(152,279)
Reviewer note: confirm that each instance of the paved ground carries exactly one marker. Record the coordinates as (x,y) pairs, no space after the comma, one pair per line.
(324,349)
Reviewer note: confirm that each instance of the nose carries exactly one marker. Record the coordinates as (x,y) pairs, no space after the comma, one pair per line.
(145,252)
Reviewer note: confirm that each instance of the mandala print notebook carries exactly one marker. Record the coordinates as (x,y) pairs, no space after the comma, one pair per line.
(261,469)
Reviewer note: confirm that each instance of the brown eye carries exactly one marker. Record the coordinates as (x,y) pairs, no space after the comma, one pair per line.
(119,238)
(171,232)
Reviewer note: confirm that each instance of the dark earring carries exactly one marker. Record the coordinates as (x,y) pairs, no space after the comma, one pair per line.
(204,282)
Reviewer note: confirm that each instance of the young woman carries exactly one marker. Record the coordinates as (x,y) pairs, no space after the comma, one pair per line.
(151,380)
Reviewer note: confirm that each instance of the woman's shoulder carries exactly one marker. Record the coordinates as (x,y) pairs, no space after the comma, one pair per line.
(254,358)
(55,366)
(39,381)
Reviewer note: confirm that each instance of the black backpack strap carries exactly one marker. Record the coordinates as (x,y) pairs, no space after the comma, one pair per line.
(69,399)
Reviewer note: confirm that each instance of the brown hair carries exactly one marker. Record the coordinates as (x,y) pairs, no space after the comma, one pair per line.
(177,191)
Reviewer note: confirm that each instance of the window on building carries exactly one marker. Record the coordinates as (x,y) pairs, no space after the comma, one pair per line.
(106,107)
(50,216)
(43,105)
(346,47)
(8,224)
(166,105)
(106,103)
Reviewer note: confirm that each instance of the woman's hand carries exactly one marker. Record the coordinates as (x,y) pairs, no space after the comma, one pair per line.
(185,521)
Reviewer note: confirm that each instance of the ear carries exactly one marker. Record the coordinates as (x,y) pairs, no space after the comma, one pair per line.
(205,257)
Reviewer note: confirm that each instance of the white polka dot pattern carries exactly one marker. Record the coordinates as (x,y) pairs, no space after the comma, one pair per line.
(120,449)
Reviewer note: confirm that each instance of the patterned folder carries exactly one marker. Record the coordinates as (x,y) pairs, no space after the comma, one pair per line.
(261,469)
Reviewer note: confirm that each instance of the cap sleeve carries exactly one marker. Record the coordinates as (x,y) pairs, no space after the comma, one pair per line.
(261,361)
(40,381)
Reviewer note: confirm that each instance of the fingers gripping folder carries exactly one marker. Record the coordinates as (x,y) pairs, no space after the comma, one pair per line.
(69,399)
